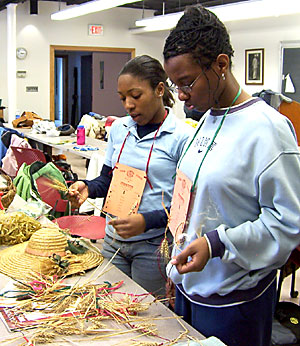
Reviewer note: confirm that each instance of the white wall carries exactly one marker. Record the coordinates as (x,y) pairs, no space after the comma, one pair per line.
(37,33)
(3,58)
(266,33)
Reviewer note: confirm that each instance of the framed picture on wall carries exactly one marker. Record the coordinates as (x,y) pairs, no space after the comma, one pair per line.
(254,66)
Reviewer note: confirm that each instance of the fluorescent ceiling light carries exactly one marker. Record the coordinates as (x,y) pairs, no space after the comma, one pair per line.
(230,12)
(256,9)
(163,22)
(89,7)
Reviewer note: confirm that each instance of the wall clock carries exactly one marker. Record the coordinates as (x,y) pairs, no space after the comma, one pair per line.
(21,53)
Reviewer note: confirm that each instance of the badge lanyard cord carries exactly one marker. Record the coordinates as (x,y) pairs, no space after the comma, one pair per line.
(212,141)
(148,161)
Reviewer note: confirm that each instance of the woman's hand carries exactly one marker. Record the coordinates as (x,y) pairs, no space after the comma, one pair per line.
(199,253)
(130,226)
(77,194)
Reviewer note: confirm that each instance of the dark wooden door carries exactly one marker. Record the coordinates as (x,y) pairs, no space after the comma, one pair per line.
(106,67)
(86,84)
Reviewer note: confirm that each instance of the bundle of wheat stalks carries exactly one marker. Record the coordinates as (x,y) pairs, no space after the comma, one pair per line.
(98,311)
(16,227)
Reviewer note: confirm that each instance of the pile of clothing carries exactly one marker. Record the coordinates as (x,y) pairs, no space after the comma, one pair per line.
(26,119)
(94,126)
(48,127)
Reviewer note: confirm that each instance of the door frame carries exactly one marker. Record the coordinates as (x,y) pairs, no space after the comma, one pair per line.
(57,48)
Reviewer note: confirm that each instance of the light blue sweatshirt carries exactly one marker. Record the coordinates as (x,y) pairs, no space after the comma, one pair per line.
(246,203)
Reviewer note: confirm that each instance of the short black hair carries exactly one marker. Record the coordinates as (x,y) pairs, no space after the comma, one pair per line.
(147,68)
(200,33)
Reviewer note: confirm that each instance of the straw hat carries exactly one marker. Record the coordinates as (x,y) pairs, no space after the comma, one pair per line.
(45,253)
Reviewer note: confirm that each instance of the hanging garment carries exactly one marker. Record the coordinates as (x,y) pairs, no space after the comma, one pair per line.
(274,99)
(289,85)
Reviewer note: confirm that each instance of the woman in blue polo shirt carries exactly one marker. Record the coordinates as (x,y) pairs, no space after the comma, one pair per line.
(151,140)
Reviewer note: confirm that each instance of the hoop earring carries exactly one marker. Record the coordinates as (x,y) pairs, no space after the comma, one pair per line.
(223,76)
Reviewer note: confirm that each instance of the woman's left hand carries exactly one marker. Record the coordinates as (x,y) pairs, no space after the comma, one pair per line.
(130,226)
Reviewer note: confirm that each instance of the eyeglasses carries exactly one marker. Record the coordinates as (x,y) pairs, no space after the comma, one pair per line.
(186,89)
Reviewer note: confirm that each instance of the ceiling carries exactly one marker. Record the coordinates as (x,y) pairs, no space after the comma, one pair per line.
(156,5)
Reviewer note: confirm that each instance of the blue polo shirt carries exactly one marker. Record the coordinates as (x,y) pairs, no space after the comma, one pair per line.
(167,149)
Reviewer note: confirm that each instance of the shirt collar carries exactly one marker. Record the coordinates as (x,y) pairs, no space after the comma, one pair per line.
(167,126)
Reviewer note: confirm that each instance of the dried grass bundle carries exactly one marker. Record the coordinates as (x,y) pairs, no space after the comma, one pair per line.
(16,227)
(79,309)
(57,185)
(100,311)
(164,250)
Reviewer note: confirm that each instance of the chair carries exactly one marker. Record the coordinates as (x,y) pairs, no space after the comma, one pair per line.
(87,226)
(292,264)
(31,155)
(292,111)
(28,155)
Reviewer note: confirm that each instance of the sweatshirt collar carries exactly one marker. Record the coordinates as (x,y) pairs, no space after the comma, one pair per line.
(233,109)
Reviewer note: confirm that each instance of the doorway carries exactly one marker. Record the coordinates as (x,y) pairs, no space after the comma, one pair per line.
(61,89)
(83,80)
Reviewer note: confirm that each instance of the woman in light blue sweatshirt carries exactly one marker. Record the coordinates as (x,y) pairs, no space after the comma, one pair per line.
(243,217)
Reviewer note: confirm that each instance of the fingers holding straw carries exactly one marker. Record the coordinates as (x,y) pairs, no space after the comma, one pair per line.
(77,193)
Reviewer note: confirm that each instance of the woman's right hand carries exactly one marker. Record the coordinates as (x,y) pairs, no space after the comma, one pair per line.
(193,258)
(77,194)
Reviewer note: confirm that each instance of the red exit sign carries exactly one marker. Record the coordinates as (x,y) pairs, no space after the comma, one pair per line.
(95,30)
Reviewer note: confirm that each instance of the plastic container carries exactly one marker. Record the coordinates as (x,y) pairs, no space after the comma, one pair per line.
(18,114)
(80,135)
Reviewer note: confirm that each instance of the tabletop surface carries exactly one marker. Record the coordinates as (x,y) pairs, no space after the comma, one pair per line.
(64,143)
(168,326)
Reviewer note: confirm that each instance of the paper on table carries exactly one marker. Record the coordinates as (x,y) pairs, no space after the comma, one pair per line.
(14,319)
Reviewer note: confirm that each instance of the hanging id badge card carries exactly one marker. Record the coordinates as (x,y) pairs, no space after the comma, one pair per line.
(180,204)
(125,191)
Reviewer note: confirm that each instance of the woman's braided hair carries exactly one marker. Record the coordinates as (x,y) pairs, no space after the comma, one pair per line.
(200,33)
(147,68)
